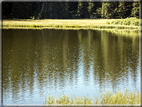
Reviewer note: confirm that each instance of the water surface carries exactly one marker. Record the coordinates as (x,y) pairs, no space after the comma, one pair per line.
(39,63)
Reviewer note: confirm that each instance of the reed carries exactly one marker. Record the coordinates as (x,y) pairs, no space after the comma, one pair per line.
(106,98)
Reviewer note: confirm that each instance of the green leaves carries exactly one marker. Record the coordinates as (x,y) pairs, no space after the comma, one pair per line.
(128,21)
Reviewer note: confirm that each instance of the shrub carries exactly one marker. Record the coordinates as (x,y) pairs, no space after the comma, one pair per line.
(128,21)
(112,22)
(107,22)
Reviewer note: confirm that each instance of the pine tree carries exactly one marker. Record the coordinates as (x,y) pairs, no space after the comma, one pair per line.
(51,10)
(90,9)
(85,13)
(107,8)
(80,9)
(121,10)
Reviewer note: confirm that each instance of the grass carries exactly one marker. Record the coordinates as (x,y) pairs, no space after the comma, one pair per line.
(65,24)
(106,98)
(127,21)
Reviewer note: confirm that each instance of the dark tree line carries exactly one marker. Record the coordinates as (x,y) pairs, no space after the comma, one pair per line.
(69,10)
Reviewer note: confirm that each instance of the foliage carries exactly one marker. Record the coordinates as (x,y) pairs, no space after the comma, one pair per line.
(107,10)
(98,13)
(69,10)
(107,22)
(124,9)
(80,10)
(135,10)
(90,8)
(128,21)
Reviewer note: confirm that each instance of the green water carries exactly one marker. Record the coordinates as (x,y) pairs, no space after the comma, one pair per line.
(38,63)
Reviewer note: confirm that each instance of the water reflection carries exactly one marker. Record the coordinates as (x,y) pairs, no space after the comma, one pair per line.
(73,62)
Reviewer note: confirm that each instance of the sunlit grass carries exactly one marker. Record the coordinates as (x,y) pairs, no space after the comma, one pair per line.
(127,21)
(120,98)
(106,98)
(65,24)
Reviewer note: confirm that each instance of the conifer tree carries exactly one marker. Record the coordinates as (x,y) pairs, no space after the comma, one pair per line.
(80,9)
(90,8)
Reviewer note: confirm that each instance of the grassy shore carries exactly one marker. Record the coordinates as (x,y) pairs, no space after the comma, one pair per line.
(133,21)
(106,98)
(65,24)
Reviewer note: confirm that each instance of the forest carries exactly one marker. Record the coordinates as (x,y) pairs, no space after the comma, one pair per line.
(69,10)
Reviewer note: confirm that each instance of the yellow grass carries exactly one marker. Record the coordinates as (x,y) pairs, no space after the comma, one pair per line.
(59,21)
(62,24)
(107,98)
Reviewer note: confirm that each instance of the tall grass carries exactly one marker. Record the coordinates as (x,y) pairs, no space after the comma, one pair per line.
(106,98)
(128,21)
(120,98)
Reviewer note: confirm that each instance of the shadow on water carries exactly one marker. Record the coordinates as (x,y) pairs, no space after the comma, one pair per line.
(37,63)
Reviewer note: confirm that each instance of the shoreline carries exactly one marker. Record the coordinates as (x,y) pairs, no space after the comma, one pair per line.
(75,24)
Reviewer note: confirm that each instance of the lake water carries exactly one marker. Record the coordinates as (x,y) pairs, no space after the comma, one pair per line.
(39,63)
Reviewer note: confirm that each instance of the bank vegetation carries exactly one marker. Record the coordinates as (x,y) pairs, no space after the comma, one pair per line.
(129,23)
(106,98)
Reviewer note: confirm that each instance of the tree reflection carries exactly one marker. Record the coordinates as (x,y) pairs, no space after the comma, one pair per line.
(53,58)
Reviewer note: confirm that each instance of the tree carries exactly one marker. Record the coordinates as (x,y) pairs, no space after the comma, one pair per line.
(121,10)
(105,12)
(107,8)
(7,10)
(64,10)
(85,13)
(128,9)
(90,8)
(36,9)
(22,10)
(73,6)
(97,9)
(98,12)
(80,9)
(124,9)
(135,10)
(51,10)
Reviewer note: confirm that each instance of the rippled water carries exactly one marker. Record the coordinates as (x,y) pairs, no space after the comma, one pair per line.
(39,63)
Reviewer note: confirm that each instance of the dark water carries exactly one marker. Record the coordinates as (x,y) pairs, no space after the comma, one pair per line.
(39,63)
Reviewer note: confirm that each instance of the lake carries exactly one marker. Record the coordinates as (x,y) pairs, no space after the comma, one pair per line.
(39,63)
